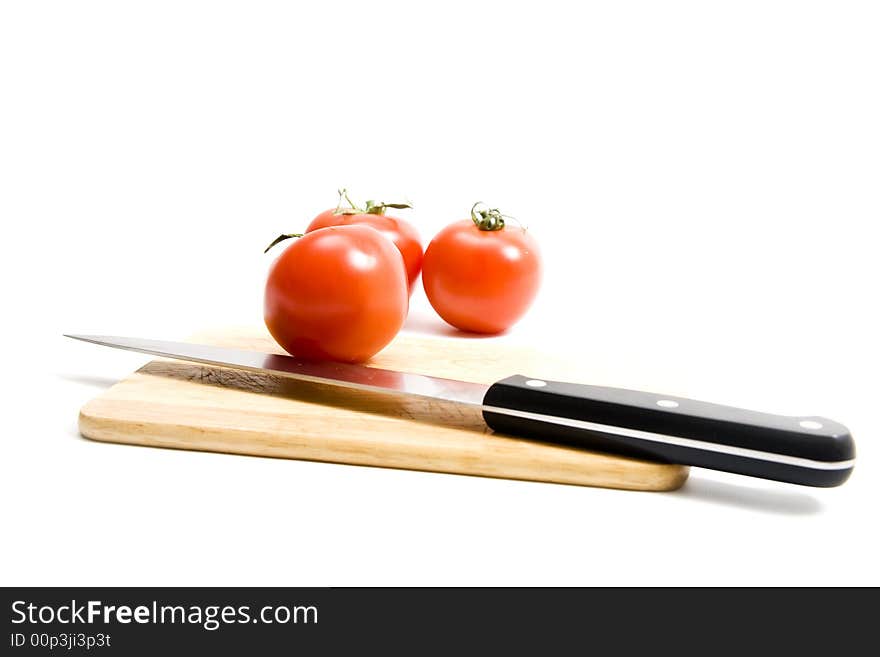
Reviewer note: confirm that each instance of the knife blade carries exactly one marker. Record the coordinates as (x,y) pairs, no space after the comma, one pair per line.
(807,450)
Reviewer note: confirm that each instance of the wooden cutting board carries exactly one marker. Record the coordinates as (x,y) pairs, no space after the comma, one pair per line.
(189,406)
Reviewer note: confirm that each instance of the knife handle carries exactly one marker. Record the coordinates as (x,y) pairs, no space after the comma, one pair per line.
(812,451)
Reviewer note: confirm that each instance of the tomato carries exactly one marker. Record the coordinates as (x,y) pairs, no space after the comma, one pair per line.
(480,274)
(336,294)
(401,232)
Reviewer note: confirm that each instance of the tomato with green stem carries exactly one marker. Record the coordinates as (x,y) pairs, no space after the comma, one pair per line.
(336,294)
(482,274)
(402,233)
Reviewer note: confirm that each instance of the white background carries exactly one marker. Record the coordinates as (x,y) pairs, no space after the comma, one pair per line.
(703,179)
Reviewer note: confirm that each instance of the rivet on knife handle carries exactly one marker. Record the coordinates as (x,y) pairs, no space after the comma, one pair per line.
(811,451)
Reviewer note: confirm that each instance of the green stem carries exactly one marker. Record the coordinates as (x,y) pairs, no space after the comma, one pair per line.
(375,208)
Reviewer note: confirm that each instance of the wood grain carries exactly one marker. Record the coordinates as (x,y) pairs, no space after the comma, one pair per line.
(189,406)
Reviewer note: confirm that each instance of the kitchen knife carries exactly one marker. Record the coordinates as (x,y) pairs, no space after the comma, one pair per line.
(812,451)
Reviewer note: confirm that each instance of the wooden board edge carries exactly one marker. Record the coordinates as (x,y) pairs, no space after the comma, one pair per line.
(654,477)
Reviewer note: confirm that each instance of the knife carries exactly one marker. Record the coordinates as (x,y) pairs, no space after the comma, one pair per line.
(811,451)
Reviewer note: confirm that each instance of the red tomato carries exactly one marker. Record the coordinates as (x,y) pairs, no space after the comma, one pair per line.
(336,294)
(481,275)
(401,232)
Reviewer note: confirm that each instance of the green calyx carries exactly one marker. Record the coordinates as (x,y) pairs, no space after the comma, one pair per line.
(281,238)
(371,207)
(486,218)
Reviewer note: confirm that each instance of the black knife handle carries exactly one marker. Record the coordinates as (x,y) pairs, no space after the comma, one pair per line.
(812,451)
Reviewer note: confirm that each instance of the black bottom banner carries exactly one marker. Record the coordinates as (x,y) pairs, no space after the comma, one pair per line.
(283,621)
